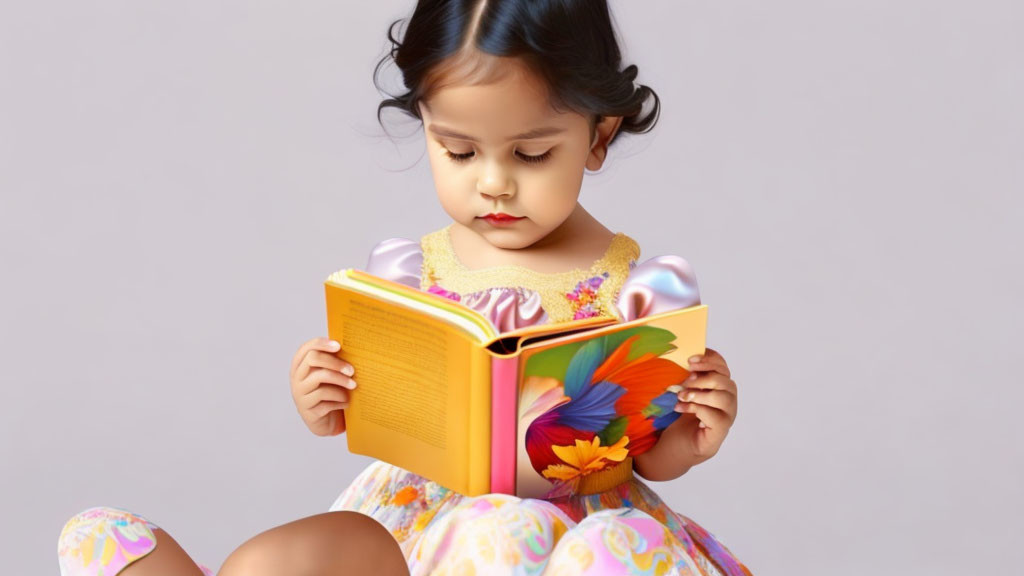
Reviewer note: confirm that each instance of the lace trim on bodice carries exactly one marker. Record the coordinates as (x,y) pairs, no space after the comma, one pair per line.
(564,295)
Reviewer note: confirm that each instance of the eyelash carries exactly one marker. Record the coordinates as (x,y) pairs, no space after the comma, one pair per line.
(459,158)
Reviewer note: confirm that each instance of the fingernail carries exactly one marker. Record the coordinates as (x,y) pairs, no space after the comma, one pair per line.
(689,398)
(679,407)
(333,345)
(702,425)
(694,359)
(347,370)
(692,376)
(351,384)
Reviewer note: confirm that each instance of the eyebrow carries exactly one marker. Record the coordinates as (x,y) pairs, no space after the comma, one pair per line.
(530,135)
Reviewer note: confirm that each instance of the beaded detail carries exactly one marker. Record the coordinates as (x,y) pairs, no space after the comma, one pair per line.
(564,296)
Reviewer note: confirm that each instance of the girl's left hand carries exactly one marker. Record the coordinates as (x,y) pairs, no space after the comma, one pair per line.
(708,402)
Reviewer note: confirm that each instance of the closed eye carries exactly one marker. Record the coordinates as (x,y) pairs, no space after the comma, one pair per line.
(535,159)
(460,158)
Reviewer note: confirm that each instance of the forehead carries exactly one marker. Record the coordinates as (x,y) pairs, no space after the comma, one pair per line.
(510,104)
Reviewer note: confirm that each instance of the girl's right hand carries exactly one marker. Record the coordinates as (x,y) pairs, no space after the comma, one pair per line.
(320,386)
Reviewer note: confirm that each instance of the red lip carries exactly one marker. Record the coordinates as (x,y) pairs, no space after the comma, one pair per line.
(502,217)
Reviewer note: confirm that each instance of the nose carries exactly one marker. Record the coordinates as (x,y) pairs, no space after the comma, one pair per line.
(494,181)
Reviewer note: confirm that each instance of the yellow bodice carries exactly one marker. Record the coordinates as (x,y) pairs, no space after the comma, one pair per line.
(564,295)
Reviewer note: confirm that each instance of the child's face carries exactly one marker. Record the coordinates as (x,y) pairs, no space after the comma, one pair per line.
(497,167)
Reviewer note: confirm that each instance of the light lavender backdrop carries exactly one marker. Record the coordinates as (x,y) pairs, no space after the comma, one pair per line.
(178,178)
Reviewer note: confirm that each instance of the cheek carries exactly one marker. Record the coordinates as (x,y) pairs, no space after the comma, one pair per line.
(446,179)
(451,186)
(566,182)
(554,194)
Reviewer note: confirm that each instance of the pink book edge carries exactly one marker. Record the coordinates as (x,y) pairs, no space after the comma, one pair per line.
(504,380)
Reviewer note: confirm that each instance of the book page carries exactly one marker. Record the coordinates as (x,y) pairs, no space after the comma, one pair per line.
(408,397)
(410,405)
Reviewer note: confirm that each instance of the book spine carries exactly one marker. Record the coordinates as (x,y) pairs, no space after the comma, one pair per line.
(479,432)
(504,396)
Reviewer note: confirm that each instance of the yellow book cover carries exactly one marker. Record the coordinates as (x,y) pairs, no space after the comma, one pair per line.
(530,412)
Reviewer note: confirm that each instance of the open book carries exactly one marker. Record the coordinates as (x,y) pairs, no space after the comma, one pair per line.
(442,394)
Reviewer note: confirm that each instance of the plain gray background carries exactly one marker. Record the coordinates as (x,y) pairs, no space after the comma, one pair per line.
(178,179)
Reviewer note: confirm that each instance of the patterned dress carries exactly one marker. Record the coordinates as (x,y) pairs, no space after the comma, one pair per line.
(614,524)
(619,526)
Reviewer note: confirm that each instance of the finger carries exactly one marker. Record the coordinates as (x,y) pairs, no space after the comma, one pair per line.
(326,392)
(319,359)
(321,343)
(316,358)
(710,381)
(712,418)
(709,361)
(720,399)
(322,376)
(328,376)
(326,407)
(709,365)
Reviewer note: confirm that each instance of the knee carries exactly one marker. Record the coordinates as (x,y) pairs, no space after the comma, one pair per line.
(632,528)
(252,558)
(308,546)
(495,531)
(615,538)
(87,538)
(618,517)
(105,520)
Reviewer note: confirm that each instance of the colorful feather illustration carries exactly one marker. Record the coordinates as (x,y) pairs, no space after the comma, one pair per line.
(590,404)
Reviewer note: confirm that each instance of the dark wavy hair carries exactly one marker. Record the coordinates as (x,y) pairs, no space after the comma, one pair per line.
(570,44)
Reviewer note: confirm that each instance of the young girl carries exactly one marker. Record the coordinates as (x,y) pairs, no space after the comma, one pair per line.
(517,98)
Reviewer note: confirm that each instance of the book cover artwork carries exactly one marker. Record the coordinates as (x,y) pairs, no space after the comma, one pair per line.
(537,412)
(585,406)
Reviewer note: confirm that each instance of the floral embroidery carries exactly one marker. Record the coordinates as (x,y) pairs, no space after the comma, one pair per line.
(435,289)
(584,297)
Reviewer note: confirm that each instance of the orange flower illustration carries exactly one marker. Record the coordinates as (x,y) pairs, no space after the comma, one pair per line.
(585,457)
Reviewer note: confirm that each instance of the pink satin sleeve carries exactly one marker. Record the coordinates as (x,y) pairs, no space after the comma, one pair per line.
(401,260)
(397,259)
(657,285)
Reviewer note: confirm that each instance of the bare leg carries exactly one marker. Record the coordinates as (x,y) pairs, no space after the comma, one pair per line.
(330,544)
(168,559)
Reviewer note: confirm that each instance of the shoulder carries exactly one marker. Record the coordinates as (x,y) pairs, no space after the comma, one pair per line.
(397,259)
(392,248)
(435,242)
(658,284)
(666,268)
(624,247)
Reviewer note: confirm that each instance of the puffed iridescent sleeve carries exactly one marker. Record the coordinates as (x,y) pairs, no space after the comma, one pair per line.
(397,259)
(657,285)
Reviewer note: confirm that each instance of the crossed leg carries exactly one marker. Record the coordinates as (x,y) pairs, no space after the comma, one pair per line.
(328,544)
(113,541)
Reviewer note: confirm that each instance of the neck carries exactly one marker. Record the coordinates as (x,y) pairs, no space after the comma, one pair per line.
(576,226)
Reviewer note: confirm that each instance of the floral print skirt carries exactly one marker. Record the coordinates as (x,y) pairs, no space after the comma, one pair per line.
(626,530)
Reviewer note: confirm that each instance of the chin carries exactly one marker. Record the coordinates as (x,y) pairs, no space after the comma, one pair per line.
(511,239)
